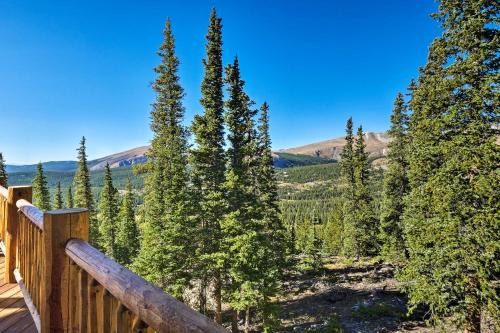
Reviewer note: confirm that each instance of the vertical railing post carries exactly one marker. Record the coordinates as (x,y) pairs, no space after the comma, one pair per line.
(58,227)
(11,228)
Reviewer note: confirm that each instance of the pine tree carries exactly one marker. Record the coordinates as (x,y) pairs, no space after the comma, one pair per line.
(347,158)
(243,241)
(349,184)
(127,238)
(366,221)
(395,186)
(41,195)
(69,198)
(451,214)
(208,167)
(167,252)
(360,225)
(58,202)
(268,189)
(83,192)
(3,172)
(275,233)
(108,216)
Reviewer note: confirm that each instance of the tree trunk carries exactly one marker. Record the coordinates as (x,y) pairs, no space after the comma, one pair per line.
(218,299)
(203,296)
(247,320)
(234,321)
(473,319)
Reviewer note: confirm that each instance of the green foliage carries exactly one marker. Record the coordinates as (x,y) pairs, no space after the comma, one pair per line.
(83,192)
(69,198)
(58,201)
(41,194)
(376,310)
(287,160)
(127,237)
(333,231)
(167,250)
(451,216)
(208,164)
(314,173)
(396,186)
(360,220)
(333,325)
(311,260)
(108,216)
(3,172)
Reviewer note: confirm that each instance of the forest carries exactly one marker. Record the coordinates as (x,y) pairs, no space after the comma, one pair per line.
(210,220)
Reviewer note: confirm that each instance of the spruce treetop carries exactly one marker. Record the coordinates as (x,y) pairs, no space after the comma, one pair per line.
(41,195)
(3,172)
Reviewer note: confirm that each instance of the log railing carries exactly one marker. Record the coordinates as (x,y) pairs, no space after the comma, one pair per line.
(69,286)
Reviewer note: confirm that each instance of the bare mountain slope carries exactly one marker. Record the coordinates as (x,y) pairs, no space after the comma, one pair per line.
(124,158)
(376,146)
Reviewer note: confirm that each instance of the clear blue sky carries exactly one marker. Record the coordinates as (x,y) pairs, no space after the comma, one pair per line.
(73,68)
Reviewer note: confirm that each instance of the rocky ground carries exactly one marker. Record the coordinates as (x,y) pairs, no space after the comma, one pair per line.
(358,297)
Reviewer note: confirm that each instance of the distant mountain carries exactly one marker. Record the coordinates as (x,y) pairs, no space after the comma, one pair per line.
(125,158)
(376,146)
(315,153)
(122,159)
(47,166)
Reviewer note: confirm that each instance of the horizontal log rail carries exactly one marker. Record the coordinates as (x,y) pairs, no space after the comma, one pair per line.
(150,304)
(4,193)
(69,286)
(34,214)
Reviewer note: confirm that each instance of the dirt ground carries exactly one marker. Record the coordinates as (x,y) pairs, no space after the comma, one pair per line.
(359,297)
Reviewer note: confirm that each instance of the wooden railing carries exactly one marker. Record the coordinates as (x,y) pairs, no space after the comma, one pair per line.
(69,286)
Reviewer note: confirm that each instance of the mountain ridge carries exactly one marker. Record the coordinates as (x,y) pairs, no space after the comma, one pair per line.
(326,151)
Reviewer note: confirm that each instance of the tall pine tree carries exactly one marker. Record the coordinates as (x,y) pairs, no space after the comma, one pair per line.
(167,252)
(395,186)
(242,241)
(452,216)
(359,220)
(276,242)
(127,238)
(58,202)
(83,192)
(3,172)
(366,222)
(349,185)
(41,194)
(108,215)
(69,198)
(208,167)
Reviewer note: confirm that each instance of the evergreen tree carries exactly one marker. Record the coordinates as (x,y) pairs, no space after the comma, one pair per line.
(108,216)
(395,186)
(208,167)
(243,241)
(451,215)
(58,202)
(360,226)
(3,172)
(127,238)
(167,252)
(347,158)
(83,192)
(366,221)
(268,190)
(41,195)
(349,185)
(69,198)
(276,246)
